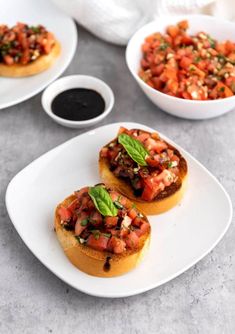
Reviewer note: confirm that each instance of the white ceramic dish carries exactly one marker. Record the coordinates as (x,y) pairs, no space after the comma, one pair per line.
(180,237)
(217,28)
(77,81)
(15,90)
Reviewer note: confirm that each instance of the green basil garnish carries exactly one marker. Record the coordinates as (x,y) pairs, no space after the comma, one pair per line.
(103,201)
(84,222)
(107,235)
(35,29)
(211,41)
(118,205)
(96,234)
(134,149)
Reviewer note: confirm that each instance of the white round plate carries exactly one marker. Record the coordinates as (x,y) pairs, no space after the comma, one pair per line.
(34,12)
(180,237)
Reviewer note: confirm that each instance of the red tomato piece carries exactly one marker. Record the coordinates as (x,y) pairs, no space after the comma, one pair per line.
(132,213)
(138,221)
(116,245)
(144,228)
(81,223)
(81,192)
(132,240)
(99,243)
(73,205)
(156,145)
(65,213)
(96,218)
(111,222)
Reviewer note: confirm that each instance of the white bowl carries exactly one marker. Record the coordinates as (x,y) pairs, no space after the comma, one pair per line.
(218,29)
(77,81)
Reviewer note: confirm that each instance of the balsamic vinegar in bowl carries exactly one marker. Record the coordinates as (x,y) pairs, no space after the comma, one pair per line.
(78,104)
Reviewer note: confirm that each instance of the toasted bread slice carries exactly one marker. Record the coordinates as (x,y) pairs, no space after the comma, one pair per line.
(39,65)
(91,261)
(164,201)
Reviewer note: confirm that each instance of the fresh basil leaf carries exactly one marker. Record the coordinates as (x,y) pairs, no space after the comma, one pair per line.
(96,234)
(107,235)
(134,149)
(35,29)
(84,222)
(103,201)
(118,205)
(211,41)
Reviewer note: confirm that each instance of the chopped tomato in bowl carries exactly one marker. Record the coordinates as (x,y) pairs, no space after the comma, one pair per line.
(186,64)
(193,67)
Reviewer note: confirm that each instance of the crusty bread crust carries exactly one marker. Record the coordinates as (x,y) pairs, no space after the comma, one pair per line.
(41,64)
(94,262)
(165,200)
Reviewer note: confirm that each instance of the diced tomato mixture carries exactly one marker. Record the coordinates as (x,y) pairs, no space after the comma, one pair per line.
(114,234)
(149,181)
(194,67)
(23,44)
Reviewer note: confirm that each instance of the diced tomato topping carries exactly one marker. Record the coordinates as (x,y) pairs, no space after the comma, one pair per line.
(110,233)
(156,145)
(123,201)
(123,232)
(99,243)
(81,223)
(96,218)
(175,158)
(104,152)
(121,130)
(73,205)
(8,60)
(23,44)
(116,245)
(65,213)
(151,161)
(143,136)
(132,240)
(155,184)
(138,221)
(149,192)
(132,213)
(144,228)
(111,222)
(81,192)
(114,195)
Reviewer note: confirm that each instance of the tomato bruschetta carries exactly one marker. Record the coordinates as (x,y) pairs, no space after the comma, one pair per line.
(145,168)
(192,67)
(101,231)
(26,50)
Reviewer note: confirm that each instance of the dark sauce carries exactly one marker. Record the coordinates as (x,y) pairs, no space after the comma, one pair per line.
(78,104)
(107,264)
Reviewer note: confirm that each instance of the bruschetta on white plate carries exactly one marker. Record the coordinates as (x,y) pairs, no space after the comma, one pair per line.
(145,168)
(101,231)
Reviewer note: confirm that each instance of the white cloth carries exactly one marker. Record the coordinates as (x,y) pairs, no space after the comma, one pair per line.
(116,20)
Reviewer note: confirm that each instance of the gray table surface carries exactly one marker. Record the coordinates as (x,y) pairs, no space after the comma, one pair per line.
(33,300)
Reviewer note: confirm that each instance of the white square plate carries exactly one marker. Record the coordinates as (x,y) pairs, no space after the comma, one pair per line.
(180,237)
